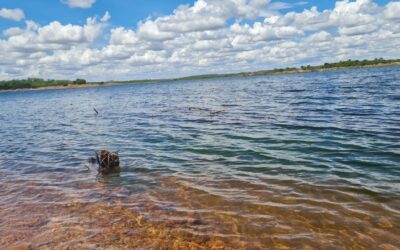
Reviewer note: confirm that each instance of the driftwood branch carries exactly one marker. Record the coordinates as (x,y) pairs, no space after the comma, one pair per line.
(108,162)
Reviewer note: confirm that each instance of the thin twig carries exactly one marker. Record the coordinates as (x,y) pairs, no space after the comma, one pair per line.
(98,160)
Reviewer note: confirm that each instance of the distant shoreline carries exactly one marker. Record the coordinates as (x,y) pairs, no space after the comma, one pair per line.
(290,71)
(303,69)
(69,86)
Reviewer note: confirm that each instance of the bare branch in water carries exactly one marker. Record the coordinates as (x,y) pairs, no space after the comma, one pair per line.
(98,159)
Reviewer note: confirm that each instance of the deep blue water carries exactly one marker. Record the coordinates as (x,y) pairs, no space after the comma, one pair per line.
(336,130)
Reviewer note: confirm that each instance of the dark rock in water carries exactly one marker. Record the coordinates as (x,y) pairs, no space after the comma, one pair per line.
(108,162)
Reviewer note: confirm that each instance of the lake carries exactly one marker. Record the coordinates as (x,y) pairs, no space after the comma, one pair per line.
(286,161)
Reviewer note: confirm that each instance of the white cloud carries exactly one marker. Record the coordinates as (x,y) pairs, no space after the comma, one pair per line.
(54,36)
(392,10)
(209,36)
(149,30)
(321,36)
(284,5)
(106,17)
(55,32)
(14,31)
(202,16)
(12,14)
(123,36)
(79,3)
(357,30)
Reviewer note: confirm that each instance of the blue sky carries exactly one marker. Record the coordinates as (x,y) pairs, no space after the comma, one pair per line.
(160,38)
(125,13)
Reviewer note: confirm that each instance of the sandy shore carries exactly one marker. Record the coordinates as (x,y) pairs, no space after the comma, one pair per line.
(69,86)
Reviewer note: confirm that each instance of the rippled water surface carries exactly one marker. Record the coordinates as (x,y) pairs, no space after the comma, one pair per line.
(288,161)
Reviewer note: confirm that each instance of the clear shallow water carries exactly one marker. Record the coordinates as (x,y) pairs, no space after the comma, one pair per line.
(286,161)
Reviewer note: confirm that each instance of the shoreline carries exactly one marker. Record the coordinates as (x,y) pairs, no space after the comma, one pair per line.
(200,77)
(70,86)
(286,72)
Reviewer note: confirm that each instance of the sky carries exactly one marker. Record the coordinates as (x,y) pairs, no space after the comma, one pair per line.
(102,40)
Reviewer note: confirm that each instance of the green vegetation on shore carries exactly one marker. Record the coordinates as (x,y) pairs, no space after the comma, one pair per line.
(349,64)
(354,63)
(34,83)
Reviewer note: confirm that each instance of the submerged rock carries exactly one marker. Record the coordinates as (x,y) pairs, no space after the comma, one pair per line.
(108,162)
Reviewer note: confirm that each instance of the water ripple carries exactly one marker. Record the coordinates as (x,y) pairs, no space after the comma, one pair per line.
(290,161)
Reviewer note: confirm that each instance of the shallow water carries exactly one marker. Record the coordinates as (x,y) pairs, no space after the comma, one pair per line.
(287,161)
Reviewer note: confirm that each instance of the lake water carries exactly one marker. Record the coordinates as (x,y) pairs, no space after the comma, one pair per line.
(287,161)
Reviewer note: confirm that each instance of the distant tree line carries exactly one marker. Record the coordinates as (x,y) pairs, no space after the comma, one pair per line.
(36,83)
(351,63)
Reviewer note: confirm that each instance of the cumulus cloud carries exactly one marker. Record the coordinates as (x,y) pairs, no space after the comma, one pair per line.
(79,3)
(12,14)
(284,5)
(210,36)
(53,36)
(106,17)
(392,10)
